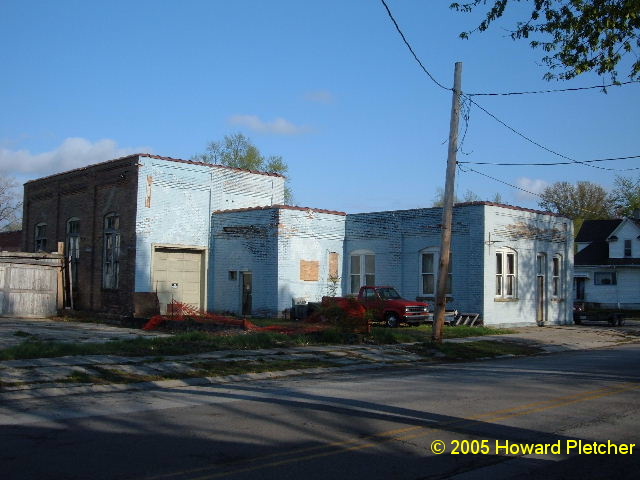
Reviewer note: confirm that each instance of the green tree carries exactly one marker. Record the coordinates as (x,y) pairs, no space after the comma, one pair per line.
(626,196)
(576,36)
(238,151)
(582,201)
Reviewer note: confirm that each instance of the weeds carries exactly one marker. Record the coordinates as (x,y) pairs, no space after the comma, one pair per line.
(473,350)
(102,375)
(200,342)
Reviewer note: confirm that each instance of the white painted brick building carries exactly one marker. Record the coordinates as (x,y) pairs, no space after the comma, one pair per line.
(512,265)
(142,233)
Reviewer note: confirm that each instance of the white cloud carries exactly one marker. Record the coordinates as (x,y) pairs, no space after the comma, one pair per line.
(72,153)
(278,126)
(533,185)
(320,96)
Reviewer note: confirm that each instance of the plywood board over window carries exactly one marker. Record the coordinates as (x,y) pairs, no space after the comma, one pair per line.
(309,270)
(333,264)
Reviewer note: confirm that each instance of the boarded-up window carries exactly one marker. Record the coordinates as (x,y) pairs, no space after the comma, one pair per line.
(309,270)
(147,200)
(333,264)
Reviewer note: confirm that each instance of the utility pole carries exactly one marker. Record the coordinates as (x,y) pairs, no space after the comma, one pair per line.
(447,210)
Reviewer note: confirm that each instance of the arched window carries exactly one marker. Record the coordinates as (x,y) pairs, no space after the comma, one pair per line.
(111,254)
(556,276)
(73,246)
(362,270)
(40,237)
(506,273)
(429,264)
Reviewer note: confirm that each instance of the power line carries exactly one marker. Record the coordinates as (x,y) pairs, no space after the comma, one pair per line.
(404,39)
(470,100)
(495,94)
(530,140)
(553,90)
(508,164)
(467,169)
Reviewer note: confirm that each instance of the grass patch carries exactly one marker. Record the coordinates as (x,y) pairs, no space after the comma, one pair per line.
(180,344)
(102,375)
(383,335)
(473,350)
(21,333)
(216,368)
(200,342)
(268,322)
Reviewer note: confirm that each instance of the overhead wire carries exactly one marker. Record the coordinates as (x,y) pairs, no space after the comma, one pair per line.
(468,97)
(543,147)
(495,94)
(415,56)
(528,164)
(553,90)
(468,169)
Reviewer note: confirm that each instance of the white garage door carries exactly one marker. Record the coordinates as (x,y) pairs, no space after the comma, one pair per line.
(178,275)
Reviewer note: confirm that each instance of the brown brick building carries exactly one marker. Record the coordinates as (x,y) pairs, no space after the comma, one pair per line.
(71,207)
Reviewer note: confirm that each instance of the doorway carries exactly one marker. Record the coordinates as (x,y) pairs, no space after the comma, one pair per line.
(178,276)
(247,295)
(541,268)
(580,287)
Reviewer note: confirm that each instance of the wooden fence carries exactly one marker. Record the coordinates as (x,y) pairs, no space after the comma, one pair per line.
(30,284)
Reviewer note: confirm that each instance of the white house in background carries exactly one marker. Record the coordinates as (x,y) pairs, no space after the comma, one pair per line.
(607,263)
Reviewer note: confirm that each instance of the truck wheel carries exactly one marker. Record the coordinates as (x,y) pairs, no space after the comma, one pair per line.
(392,320)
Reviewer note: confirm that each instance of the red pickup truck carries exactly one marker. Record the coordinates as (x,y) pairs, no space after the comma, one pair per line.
(386,305)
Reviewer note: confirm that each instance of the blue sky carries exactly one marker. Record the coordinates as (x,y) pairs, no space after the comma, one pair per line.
(328,85)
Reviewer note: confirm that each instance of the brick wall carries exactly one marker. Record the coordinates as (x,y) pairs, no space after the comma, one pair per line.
(398,238)
(528,234)
(244,241)
(176,199)
(88,194)
(307,240)
(287,250)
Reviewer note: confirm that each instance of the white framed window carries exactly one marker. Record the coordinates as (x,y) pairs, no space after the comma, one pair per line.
(429,264)
(506,273)
(73,245)
(627,248)
(362,270)
(556,271)
(111,254)
(40,237)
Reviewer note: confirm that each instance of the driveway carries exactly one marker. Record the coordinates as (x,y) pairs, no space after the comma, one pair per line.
(559,338)
(14,331)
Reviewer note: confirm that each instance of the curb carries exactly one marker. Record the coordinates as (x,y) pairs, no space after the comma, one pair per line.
(75,389)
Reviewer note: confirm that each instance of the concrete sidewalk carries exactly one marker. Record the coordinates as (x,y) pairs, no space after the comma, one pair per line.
(14,331)
(562,338)
(59,376)
(54,376)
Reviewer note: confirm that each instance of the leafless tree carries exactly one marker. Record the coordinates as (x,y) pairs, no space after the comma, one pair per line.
(10,204)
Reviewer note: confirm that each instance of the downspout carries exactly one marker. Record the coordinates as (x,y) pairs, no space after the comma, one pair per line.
(208,256)
(568,277)
(96,250)
(617,291)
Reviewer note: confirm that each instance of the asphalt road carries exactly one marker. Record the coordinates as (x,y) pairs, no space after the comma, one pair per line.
(376,424)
